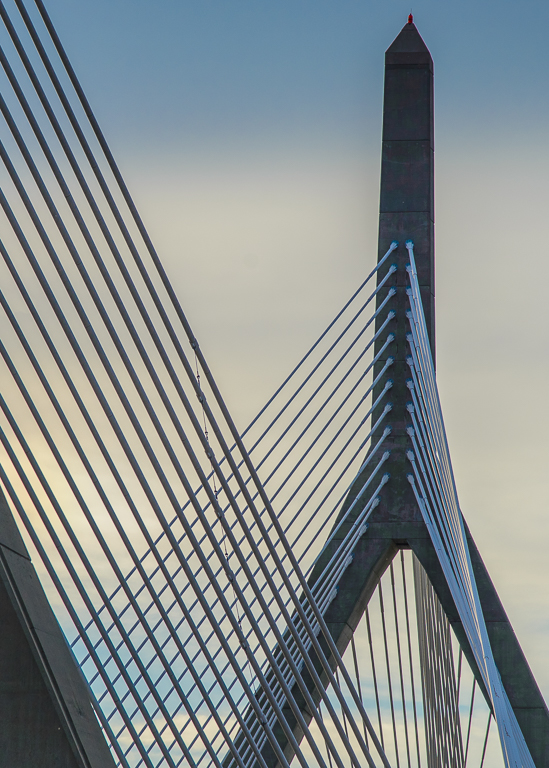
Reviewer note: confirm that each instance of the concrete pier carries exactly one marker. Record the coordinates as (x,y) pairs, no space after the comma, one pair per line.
(46,718)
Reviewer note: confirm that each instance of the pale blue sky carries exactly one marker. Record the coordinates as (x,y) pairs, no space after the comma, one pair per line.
(249,133)
(212,69)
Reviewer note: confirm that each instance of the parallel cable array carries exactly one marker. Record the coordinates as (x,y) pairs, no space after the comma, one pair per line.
(165,559)
(433,483)
(440,686)
(412,699)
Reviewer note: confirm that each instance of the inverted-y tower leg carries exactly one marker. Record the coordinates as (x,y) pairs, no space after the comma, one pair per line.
(46,718)
(407,212)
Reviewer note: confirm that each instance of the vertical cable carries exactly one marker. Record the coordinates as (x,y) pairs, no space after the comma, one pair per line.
(357,675)
(397,635)
(388,668)
(409,643)
(486,740)
(470,718)
(376,690)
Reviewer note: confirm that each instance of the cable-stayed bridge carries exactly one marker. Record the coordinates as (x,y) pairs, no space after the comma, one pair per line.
(177,593)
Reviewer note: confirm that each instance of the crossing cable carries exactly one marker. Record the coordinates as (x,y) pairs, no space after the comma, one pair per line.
(345,492)
(337,505)
(84,594)
(284,668)
(94,527)
(323,588)
(4,253)
(390,339)
(165,281)
(389,361)
(511,737)
(327,596)
(373,453)
(18,232)
(29,528)
(357,675)
(99,305)
(388,670)
(66,560)
(56,405)
(251,604)
(192,340)
(322,455)
(76,619)
(295,465)
(374,676)
(120,530)
(370,409)
(330,468)
(216,493)
(315,585)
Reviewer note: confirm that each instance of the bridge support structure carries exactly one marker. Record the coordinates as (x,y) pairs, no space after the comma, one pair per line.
(192,629)
(407,213)
(45,710)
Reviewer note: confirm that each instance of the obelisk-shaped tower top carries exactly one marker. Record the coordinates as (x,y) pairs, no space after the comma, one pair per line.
(407,165)
(409,40)
(406,213)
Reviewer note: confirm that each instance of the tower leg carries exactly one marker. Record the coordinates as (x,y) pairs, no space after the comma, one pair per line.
(46,718)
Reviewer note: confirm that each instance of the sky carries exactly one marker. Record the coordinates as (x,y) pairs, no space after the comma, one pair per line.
(249,134)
